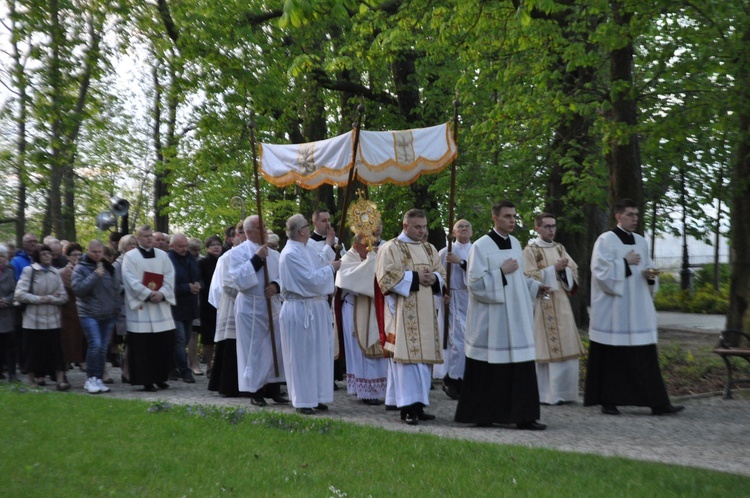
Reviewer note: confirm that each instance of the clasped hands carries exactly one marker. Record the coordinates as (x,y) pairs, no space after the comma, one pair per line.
(156,297)
(426,277)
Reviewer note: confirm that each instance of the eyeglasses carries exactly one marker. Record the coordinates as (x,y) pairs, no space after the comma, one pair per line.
(45,253)
(304,226)
(75,254)
(549,227)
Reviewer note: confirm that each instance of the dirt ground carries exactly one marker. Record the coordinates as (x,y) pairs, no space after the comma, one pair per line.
(689,366)
(692,367)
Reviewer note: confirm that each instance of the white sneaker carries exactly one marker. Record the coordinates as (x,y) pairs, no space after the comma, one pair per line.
(102,386)
(92,386)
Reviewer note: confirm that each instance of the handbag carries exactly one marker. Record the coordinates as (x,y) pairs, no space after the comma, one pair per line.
(22,306)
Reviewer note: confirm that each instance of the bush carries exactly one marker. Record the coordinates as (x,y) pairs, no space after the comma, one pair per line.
(705,275)
(704,299)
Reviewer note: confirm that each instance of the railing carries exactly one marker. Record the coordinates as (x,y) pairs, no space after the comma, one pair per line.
(675,262)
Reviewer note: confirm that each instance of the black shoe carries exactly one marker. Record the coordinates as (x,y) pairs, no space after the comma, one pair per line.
(174,375)
(391,408)
(188,378)
(278,398)
(484,424)
(305,411)
(667,410)
(162,385)
(258,401)
(124,379)
(410,419)
(531,426)
(372,402)
(321,407)
(610,410)
(149,388)
(421,415)
(451,391)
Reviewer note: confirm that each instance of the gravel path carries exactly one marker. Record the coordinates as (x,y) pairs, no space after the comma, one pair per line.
(711,433)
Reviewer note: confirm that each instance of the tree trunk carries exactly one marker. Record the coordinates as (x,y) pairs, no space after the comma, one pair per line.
(314,128)
(409,105)
(161,223)
(738,316)
(56,141)
(19,77)
(578,228)
(626,180)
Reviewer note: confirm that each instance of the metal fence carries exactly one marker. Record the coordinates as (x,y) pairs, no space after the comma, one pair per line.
(675,262)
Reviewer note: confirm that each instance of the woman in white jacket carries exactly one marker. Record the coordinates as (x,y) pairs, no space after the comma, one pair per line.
(41,289)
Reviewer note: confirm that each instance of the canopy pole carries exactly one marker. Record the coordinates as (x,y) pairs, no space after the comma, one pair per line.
(263,237)
(347,193)
(446,306)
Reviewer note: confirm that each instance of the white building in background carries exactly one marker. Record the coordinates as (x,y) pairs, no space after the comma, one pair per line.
(668,252)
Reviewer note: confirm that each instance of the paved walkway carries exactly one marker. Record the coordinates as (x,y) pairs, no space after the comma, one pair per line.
(690,322)
(710,433)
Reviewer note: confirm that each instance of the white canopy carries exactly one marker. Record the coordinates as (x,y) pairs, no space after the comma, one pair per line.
(397,157)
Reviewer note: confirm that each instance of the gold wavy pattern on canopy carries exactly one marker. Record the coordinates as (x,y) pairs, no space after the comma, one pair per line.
(404,159)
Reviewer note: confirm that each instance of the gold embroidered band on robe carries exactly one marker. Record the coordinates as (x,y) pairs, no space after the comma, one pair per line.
(412,334)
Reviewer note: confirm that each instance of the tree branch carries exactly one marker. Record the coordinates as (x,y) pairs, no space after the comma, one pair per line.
(166,17)
(255,19)
(349,86)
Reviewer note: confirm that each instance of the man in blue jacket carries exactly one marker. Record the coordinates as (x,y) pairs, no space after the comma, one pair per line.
(187,285)
(22,259)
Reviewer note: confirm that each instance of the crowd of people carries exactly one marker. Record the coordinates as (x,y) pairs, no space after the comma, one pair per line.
(315,313)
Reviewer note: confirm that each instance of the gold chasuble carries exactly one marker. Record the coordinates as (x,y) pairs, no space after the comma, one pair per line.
(411,328)
(556,334)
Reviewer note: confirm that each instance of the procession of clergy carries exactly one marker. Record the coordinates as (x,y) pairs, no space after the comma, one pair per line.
(511,341)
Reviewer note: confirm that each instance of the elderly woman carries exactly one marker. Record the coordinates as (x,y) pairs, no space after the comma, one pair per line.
(126,243)
(72,335)
(43,292)
(8,314)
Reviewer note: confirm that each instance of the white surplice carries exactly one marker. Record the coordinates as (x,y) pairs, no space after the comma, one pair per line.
(365,376)
(225,324)
(454,357)
(499,320)
(140,315)
(622,308)
(306,324)
(255,358)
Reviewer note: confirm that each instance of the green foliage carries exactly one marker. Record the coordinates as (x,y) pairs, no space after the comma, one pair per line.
(705,274)
(533,79)
(670,297)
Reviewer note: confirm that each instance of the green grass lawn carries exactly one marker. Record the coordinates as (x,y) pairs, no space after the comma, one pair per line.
(67,445)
